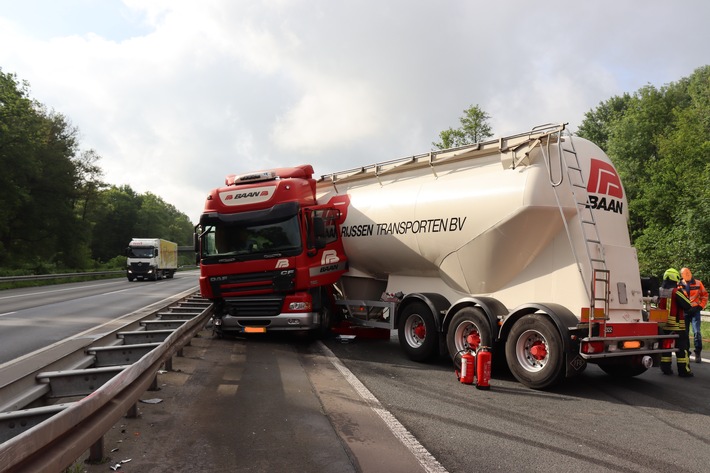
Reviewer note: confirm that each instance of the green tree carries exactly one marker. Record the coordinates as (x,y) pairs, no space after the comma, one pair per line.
(659,141)
(55,210)
(474,129)
(122,214)
(37,182)
(157,217)
(114,222)
(19,137)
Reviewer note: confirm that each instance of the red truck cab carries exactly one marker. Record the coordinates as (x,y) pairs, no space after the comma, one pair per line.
(268,253)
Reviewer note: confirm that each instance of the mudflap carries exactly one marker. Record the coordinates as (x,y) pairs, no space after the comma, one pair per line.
(575,365)
(443,349)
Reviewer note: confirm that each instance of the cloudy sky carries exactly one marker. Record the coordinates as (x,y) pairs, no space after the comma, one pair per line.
(175,94)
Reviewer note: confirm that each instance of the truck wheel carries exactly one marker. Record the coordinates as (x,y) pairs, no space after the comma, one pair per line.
(130,278)
(417,332)
(326,321)
(467,321)
(534,351)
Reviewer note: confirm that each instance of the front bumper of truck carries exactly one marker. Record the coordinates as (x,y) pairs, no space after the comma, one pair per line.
(266,313)
(280,322)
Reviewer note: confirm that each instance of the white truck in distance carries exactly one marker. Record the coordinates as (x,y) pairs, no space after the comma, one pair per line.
(520,241)
(151,258)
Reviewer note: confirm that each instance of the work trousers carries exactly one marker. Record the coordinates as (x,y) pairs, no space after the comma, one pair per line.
(681,354)
(693,317)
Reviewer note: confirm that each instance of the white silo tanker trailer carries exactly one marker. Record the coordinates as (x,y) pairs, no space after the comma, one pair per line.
(521,241)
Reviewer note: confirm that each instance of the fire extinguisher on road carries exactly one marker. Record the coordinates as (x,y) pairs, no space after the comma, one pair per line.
(468,367)
(483,368)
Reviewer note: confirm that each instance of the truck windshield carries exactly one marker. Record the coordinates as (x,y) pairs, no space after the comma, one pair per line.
(234,239)
(142,252)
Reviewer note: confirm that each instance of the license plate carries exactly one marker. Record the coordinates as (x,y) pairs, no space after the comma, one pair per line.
(254,329)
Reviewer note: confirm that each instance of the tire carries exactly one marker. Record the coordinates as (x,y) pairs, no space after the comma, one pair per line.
(417,332)
(130,278)
(534,352)
(326,321)
(467,321)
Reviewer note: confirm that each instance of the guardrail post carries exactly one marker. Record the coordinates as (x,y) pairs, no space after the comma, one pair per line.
(96,451)
(169,364)
(132,411)
(154,384)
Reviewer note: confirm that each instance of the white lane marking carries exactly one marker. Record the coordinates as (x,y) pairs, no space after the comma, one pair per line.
(426,459)
(113,292)
(30,294)
(8,313)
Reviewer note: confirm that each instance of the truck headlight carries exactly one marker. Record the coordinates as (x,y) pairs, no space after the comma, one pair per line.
(300,306)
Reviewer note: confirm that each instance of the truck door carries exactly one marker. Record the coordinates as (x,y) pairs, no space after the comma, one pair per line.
(324,245)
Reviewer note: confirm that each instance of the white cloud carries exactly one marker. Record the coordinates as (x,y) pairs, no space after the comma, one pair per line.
(175,94)
(329,115)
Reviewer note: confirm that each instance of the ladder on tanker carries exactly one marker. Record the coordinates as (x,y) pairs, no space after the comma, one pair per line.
(598,281)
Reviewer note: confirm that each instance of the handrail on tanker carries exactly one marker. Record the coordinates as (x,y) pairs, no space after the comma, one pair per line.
(508,144)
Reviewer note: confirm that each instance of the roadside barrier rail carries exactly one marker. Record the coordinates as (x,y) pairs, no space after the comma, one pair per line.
(109,374)
(41,277)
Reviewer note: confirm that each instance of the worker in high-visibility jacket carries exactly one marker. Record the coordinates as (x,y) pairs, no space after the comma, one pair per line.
(698,300)
(673,298)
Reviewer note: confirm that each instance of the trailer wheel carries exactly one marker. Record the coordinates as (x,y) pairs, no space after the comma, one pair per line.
(534,351)
(467,321)
(417,332)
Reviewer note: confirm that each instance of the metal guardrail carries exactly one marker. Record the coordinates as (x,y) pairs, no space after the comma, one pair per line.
(50,438)
(40,277)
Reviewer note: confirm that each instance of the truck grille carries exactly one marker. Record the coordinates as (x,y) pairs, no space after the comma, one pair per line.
(140,267)
(260,286)
(254,306)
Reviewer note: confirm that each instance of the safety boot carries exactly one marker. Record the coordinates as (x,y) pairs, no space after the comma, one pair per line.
(697,357)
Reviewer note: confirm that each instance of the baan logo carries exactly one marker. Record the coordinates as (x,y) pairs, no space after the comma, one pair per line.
(329,257)
(282,263)
(246,196)
(603,179)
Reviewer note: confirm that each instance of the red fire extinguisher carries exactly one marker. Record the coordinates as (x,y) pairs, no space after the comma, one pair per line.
(468,367)
(483,368)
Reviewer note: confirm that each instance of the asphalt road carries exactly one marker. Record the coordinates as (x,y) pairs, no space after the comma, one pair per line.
(280,403)
(257,404)
(287,403)
(651,423)
(34,318)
